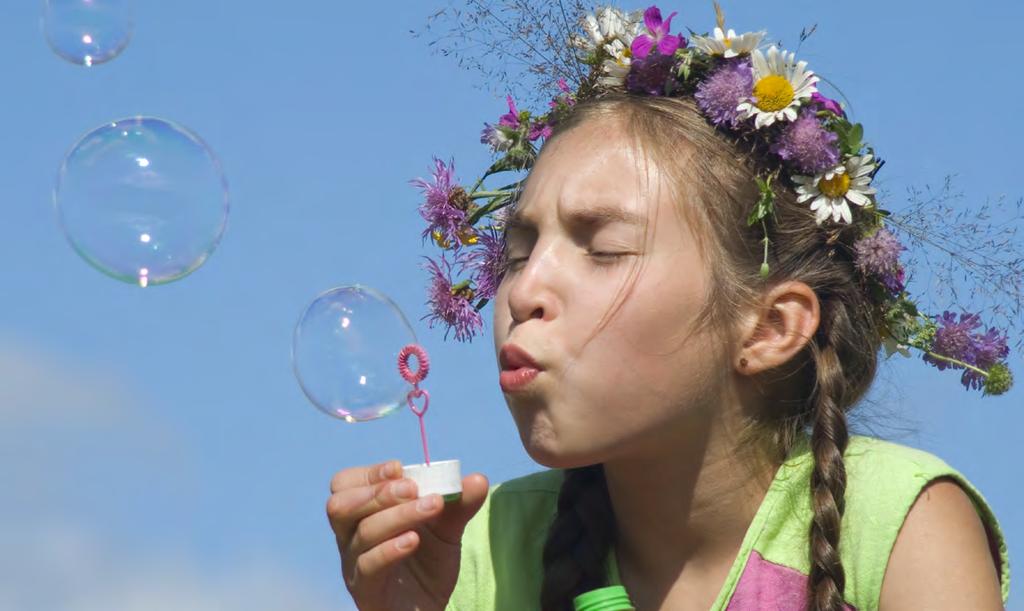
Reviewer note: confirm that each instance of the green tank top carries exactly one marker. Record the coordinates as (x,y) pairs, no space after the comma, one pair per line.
(502,570)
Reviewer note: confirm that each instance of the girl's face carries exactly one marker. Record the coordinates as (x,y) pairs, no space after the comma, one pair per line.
(590,218)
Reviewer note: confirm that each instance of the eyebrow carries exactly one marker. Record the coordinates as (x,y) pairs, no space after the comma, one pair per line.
(593,216)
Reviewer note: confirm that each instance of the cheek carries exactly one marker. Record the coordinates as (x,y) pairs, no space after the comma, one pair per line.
(501,317)
(649,343)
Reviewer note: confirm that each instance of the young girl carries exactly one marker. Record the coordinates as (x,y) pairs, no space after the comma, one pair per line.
(690,407)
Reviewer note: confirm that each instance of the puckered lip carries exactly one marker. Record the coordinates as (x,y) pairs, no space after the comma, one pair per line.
(512,356)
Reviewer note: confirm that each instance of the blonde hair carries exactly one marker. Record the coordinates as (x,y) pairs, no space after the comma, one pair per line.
(813,390)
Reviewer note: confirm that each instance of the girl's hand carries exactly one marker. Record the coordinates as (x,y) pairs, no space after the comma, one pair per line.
(399,552)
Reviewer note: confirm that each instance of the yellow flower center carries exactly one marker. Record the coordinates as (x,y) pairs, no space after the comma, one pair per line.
(463,291)
(773,93)
(467,236)
(728,43)
(836,187)
(440,239)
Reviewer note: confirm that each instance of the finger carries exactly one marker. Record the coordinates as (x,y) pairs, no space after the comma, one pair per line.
(349,506)
(452,521)
(391,522)
(378,560)
(365,476)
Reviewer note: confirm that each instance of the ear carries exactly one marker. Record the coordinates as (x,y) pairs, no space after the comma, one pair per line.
(779,329)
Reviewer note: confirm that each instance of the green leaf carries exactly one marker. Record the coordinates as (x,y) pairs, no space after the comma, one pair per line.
(515,159)
(496,203)
(765,205)
(857,134)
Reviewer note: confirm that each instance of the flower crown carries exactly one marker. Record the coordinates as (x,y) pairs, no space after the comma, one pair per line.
(764,96)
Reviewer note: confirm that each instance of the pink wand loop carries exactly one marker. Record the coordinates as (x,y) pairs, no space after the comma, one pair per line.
(414,378)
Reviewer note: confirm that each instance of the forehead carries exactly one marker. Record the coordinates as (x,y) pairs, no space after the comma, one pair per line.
(590,170)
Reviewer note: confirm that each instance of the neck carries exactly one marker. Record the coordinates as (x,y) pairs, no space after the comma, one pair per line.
(682,507)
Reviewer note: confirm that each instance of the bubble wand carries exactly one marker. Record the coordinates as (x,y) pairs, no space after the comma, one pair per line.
(414,378)
(444,477)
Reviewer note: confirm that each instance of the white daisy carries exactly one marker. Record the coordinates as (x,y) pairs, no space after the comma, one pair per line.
(831,190)
(617,66)
(728,44)
(608,24)
(779,87)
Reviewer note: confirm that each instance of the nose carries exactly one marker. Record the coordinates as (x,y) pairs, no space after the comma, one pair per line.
(535,287)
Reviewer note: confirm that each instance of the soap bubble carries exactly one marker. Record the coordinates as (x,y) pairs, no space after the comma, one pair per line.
(88,32)
(345,353)
(142,200)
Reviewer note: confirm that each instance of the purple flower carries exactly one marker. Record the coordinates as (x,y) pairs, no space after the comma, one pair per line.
(878,255)
(807,145)
(486,262)
(666,43)
(826,104)
(989,349)
(511,118)
(451,305)
(445,204)
(722,91)
(955,339)
(539,129)
(650,75)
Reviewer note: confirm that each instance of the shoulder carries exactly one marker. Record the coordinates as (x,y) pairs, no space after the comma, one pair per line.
(911,521)
(884,481)
(869,454)
(942,557)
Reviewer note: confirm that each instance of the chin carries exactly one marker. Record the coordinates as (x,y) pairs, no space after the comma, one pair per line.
(546,449)
(541,440)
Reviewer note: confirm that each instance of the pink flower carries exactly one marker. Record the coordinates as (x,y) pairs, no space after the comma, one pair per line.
(511,119)
(666,43)
(444,204)
(565,98)
(450,304)
(540,129)
(827,104)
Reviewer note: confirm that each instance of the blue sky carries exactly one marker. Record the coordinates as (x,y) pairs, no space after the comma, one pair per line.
(158,451)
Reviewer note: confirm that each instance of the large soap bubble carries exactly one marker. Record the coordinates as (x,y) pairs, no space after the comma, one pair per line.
(142,200)
(88,32)
(345,353)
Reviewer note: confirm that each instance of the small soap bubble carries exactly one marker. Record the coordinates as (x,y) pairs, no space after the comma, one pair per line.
(345,353)
(88,32)
(142,200)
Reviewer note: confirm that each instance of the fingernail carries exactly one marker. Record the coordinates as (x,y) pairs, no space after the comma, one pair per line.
(405,541)
(427,503)
(402,489)
(385,471)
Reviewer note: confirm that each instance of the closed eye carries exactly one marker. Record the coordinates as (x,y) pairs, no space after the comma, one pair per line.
(608,258)
(513,263)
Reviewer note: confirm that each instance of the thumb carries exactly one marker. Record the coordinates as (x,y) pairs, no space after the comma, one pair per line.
(456,514)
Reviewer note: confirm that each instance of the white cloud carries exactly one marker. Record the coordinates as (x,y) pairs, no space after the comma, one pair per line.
(48,567)
(60,419)
(39,388)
